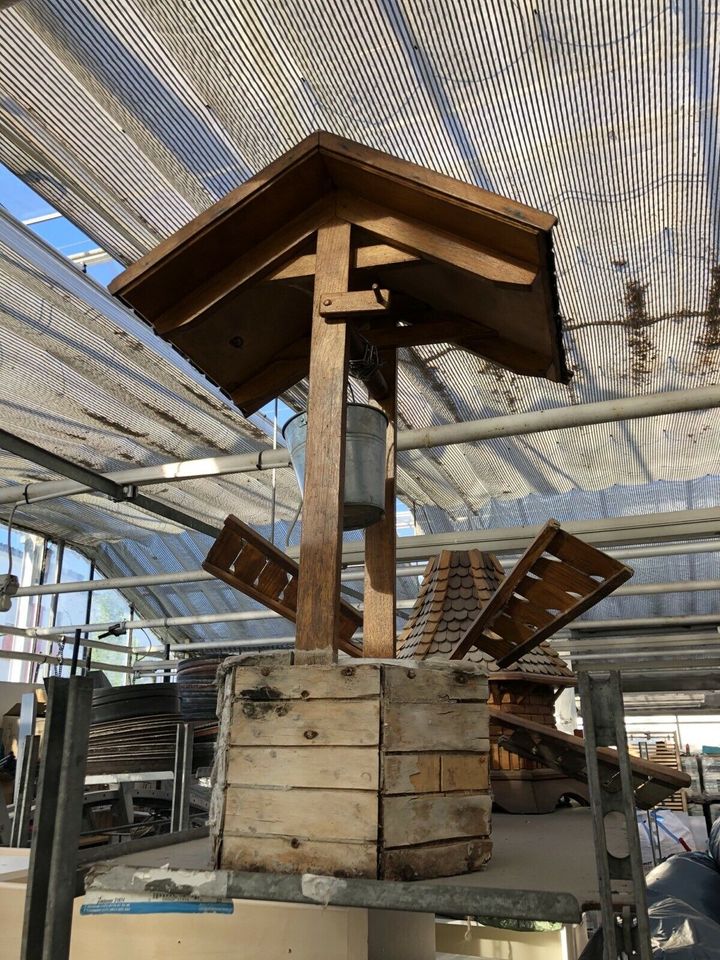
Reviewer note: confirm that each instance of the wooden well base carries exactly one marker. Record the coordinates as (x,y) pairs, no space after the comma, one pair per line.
(533,791)
(368,769)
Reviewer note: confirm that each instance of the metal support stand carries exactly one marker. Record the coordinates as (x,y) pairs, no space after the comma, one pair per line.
(180,815)
(26,728)
(25,777)
(620,872)
(5,824)
(58,821)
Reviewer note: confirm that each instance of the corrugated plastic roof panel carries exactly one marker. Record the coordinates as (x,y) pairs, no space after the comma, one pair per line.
(143,114)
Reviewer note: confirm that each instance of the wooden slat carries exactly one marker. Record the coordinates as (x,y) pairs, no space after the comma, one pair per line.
(464,771)
(443,859)
(318,609)
(310,814)
(249,562)
(302,723)
(311,682)
(435,726)
(411,773)
(380,539)
(273,580)
(562,576)
(438,816)
(434,681)
(294,855)
(584,556)
(435,244)
(342,768)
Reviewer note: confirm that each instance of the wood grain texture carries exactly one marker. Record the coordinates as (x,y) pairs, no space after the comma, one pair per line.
(309,814)
(295,855)
(318,608)
(305,723)
(336,306)
(464,771)
(434,681)
(436,859)
(380,576)
(341,768)
(435,244)
(362,258)
(411,773)
(410,727)
(307,682)
(434,816)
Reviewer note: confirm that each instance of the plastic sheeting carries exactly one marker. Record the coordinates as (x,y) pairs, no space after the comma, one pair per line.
(602,113)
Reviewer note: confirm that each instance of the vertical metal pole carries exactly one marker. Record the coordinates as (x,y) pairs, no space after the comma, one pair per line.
(44,823)
(180,815)
(75,653)
(604,725)
(5,825)
(26,728)
(68,822)
(20,834)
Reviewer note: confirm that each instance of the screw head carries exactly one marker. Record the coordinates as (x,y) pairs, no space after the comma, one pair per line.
(327,302)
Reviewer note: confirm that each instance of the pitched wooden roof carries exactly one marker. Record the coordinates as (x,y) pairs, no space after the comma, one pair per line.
(233,288)
(455,586)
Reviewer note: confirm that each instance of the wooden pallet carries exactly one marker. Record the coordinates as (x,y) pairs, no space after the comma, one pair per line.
(255,567)
(652,783)
(661,748)
(556,579)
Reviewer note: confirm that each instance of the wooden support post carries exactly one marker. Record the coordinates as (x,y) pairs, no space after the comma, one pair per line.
(318,607)
(380,579)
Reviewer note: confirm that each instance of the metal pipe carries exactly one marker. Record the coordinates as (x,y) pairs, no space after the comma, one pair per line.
(639,623)
(403,570)
(168,579)
(48,658)
(607,411)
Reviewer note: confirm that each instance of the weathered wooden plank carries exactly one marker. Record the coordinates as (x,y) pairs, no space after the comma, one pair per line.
(293,855)
(344,768)
(436,726)
(307,682)
(309,814)
(436,859)
(464,771)
(411,773)
(433,681)
(305,722)
(434,816)
(380,575)
(318,607)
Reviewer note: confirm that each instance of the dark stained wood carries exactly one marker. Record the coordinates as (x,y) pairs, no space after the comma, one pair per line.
(522,613)
(248,562)
(652,782)
(380,577)
(457,250)
(318,609)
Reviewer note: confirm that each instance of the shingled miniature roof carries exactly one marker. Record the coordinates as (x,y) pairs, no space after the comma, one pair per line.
(233,289)
(456,585)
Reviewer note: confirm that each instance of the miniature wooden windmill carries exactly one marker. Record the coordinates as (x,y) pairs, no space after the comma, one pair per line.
(331,247)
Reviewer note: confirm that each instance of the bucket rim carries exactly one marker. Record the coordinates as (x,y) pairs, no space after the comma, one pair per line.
(303,413)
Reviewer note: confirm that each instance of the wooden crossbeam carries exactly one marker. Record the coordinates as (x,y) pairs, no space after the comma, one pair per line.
(435,244)
(362,258)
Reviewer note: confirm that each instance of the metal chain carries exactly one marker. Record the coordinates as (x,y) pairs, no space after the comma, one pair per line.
(60,657)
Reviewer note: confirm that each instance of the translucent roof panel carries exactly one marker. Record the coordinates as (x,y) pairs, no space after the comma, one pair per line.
(143,114)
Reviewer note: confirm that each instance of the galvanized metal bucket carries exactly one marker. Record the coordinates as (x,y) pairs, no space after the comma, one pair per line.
(364,499)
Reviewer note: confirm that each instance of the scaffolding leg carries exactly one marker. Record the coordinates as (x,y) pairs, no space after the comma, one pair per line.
(621,877)
(58,821)
(20,833)
(180,814)
(26,728)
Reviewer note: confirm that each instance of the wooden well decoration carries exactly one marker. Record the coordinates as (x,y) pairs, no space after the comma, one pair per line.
(333,248)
